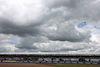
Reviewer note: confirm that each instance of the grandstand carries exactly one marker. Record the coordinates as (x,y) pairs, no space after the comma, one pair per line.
(51,58)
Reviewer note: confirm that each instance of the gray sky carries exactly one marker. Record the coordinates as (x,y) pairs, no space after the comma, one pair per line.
(66,26)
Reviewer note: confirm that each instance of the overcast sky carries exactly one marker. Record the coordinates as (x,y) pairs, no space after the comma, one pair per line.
(59,26)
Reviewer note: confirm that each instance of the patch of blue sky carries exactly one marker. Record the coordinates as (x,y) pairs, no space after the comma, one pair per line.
(97,27)
(14,40)
(81,25)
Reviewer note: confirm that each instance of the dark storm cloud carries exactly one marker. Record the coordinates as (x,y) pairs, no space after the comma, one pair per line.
(60,3)
(77,9)
(73,7)
(3,49)
(9,27)
(27,43)
(61,50)
(67,32)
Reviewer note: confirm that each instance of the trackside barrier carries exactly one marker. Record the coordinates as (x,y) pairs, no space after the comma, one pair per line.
(95,63)
(78,62)
(37,61)
(9,61)
(88,62)
(53,61)
(92,62)
(17,61)
(85,62)
(40,61)
(20,61)
(43,61)
(81,62)
(68,62)
(30,61)
(25,61)
(59,62)
(50,61)
(62,62)
(47,61)
(73,62)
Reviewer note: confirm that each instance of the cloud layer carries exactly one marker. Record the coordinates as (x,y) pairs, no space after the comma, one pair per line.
(49,26)
(67,32)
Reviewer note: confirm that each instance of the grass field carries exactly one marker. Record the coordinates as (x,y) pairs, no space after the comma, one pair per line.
(22,65)
(45,65)
(72,65)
